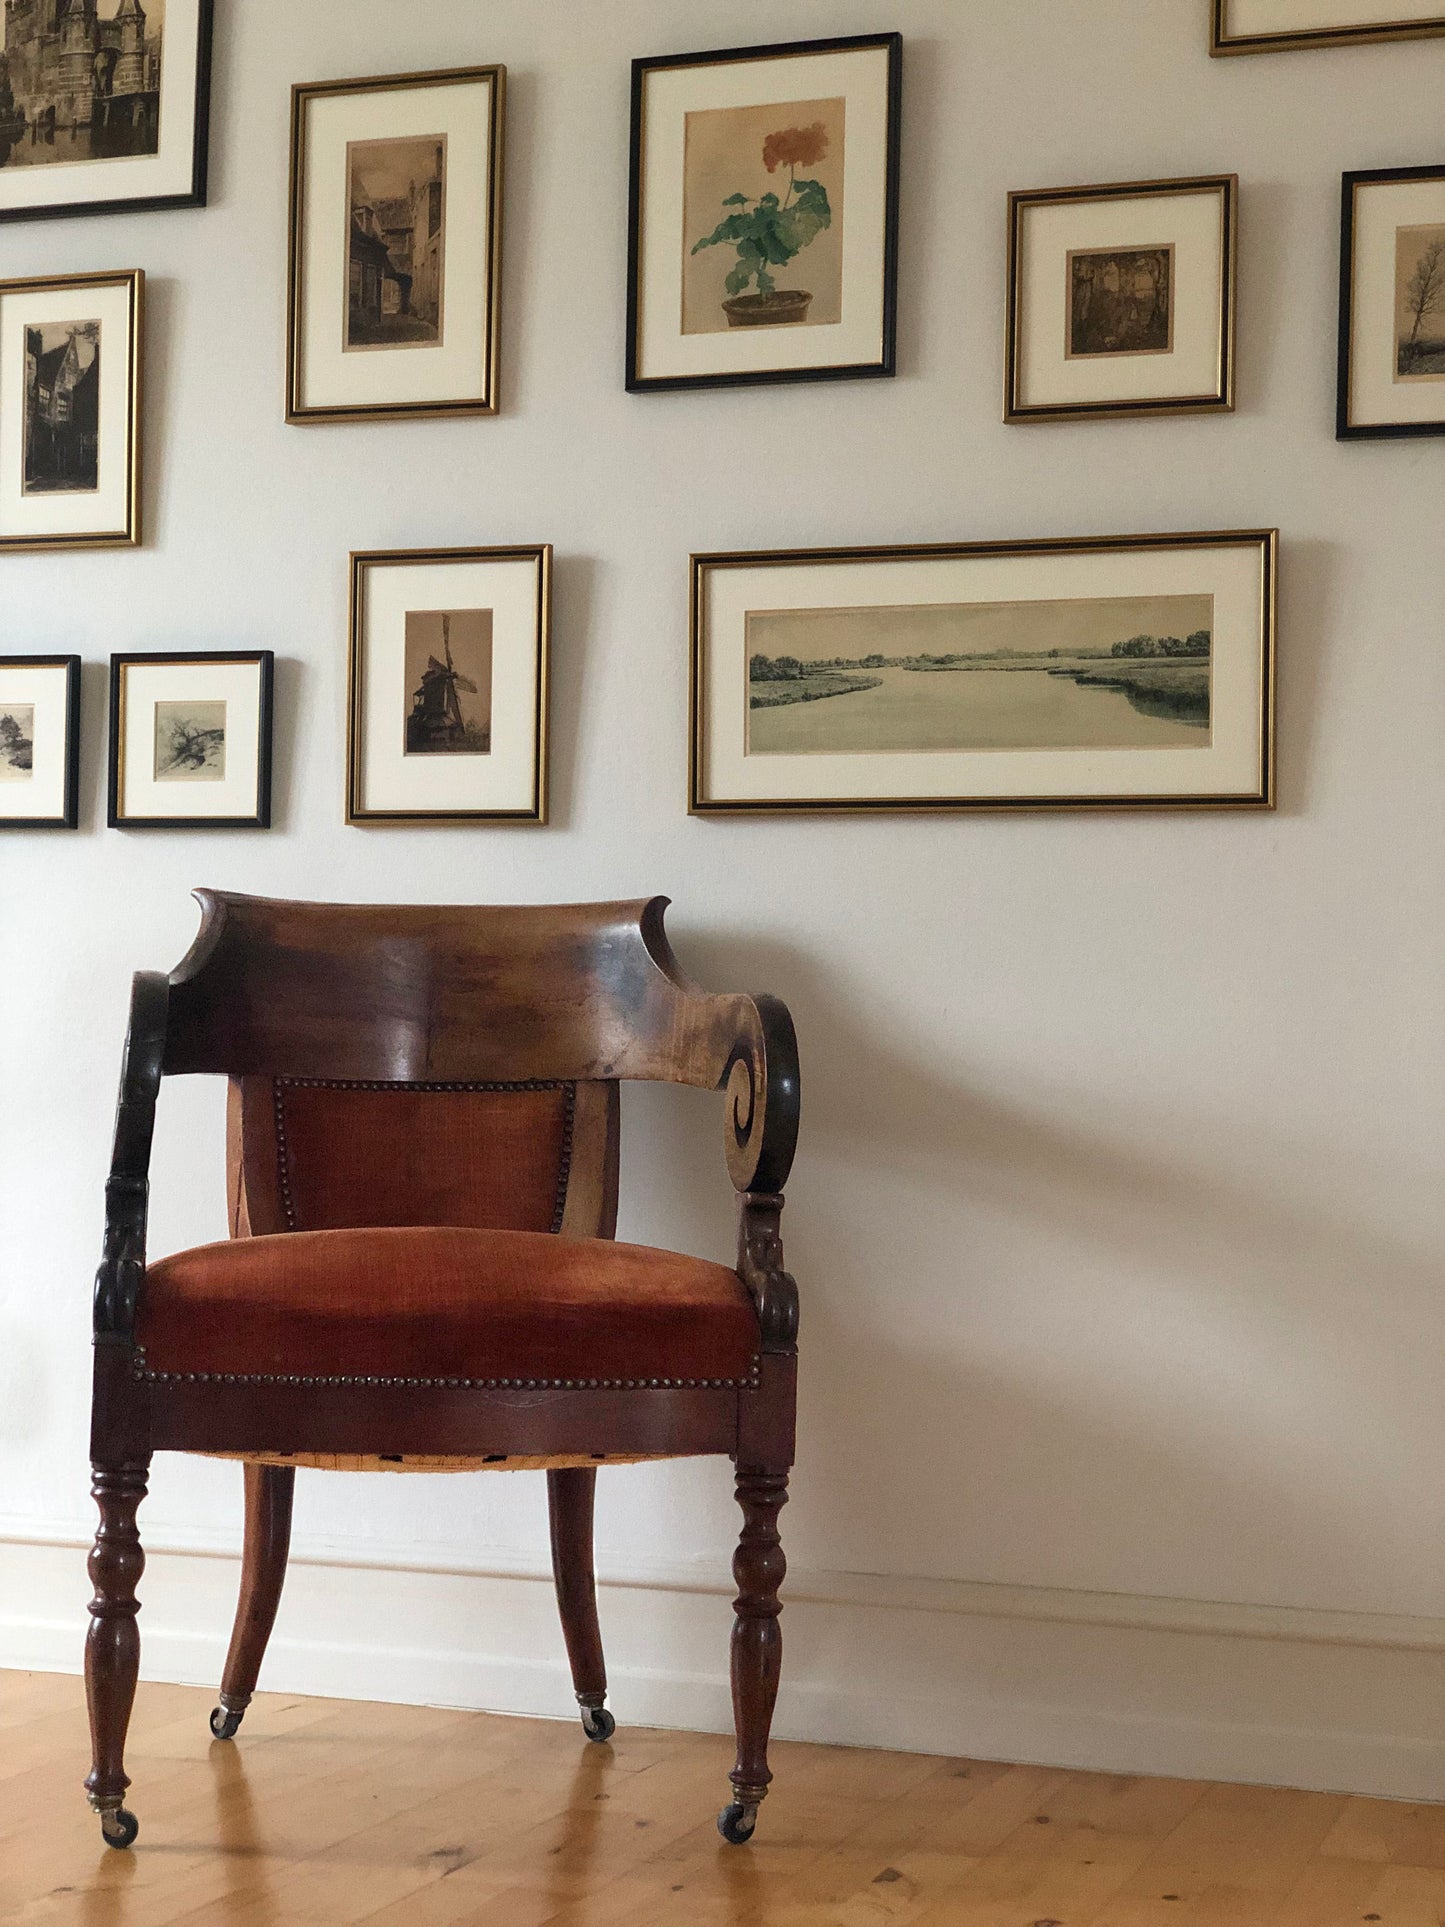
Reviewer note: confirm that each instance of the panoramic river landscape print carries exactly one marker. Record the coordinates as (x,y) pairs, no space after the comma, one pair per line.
(1088,673)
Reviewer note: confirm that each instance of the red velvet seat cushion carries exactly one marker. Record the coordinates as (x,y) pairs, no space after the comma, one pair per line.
(445,1303)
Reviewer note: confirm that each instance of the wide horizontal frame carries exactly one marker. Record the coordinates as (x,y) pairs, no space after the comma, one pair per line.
(887,364)
(69,819)
(1222,401)
(265,662)
(362,560)
(1267,539)
(1222,42)
(1345,429)
(130,536)
(302,94)
(195,195)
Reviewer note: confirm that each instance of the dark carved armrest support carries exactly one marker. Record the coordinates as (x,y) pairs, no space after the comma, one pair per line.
(122,1265)
(760,1266)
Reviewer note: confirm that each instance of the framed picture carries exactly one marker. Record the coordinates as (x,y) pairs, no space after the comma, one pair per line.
(1067,674)
(1121,300)
(39,742)
(70,395)
(103,106)
(190,740)
(448,698)
(396,235)
(1392,303)
(763,222)
(1272,26)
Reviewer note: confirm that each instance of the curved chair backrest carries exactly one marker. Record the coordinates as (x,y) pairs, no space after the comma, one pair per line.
(457,1064)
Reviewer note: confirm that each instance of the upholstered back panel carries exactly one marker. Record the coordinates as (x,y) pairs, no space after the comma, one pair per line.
(321,1154)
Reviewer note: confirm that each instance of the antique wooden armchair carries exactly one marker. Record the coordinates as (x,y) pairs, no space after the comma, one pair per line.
(423,1170)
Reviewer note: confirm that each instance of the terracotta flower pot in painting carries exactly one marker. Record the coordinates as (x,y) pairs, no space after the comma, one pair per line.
(768,232)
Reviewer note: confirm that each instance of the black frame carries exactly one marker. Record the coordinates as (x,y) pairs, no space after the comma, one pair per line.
(70,819)
(844,43)
(265,661)
(200,149)
(1345,430)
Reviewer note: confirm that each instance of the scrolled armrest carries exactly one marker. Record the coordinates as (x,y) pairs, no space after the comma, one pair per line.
(762,1085)
(127,1189)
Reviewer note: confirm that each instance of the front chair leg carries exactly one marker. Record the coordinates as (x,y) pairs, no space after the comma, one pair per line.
(269,1492)
(571,1491)
(757,1649)
(112,1647)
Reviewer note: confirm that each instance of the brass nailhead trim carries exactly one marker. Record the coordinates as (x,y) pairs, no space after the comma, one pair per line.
(748,1384)
(283,1149)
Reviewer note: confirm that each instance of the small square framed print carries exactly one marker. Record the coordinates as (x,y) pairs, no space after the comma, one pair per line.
(1392,304)
(448,702)
(39,742)
(1121,300)
(70,411)
(1276,26)
(763,219)
(1122,672)
(396,235)
(103,106)
(190,740)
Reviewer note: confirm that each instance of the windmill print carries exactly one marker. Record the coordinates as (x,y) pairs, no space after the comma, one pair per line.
(449,682)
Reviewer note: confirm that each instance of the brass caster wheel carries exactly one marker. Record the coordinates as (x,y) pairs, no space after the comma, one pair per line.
(119,1828)
(225,1724)
(597,1723)
(736,1823)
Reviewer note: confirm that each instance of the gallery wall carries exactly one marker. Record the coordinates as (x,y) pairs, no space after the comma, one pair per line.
(1117,1214)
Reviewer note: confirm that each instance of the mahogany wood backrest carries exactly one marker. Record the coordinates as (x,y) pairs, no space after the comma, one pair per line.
(458,1064)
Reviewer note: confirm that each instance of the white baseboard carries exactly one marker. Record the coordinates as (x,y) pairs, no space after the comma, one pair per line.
(1344,1701)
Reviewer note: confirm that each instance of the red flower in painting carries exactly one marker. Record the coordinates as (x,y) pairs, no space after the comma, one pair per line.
(795,147)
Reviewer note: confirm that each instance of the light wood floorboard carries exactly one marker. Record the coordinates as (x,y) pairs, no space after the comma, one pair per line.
(326,1811)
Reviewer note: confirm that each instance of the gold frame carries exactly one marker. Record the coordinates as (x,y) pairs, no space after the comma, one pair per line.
(1221,402)
(302,94)
(1223,43)
(130,536)
(364,559)
(1266,539)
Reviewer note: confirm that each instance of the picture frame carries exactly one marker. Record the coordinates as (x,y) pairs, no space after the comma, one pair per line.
(1121,300)
(1281,26)
(71,359)
(448,688)
(138,144)
(395,246)
(711,134)
(1084,673)
(1391,380)
(39,742)
(190,740)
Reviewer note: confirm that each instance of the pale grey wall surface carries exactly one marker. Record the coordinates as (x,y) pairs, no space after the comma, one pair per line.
(1118,1215)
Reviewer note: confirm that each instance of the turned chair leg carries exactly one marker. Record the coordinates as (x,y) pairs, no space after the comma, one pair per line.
(112,1646)
(269,1491)
(570,1494)
(757,1648)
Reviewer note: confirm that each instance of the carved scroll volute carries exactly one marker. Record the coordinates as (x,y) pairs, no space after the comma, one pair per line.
(762,1098)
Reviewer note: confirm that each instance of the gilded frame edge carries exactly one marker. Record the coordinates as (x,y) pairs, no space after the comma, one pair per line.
(131,537)
(301,414)
(1223,44)
(360,561)
(1267,540)
(1347,430)
(69,818)
(1221,403)
(887,365)
(265,661)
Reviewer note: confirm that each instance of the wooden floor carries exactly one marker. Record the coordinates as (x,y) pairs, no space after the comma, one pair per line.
(327,1810)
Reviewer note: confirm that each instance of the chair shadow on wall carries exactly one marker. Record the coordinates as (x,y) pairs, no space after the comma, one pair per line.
(1225,1256)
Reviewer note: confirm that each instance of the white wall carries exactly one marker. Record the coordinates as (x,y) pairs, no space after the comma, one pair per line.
(1117,1216)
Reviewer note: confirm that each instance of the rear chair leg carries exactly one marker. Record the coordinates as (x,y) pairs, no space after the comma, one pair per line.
(112,1647)
(269,1491)
(570,1494)
(757,1650)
